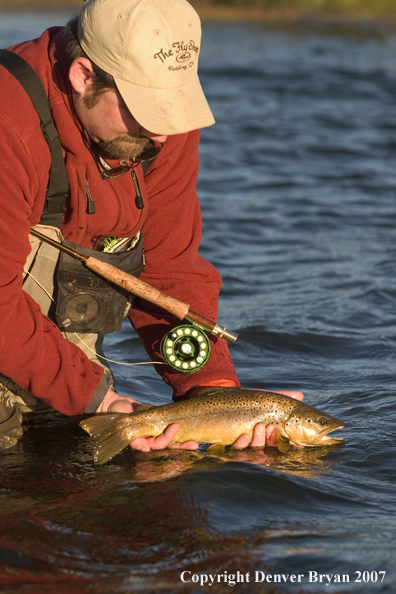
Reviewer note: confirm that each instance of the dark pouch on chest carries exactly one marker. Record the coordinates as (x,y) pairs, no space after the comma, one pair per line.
(86,302)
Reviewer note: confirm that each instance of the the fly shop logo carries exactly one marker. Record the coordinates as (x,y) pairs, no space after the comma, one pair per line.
(184,53)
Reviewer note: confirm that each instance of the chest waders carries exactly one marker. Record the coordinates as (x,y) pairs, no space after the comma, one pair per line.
(84,311)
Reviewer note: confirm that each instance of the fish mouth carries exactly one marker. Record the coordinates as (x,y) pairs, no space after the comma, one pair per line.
(324,439)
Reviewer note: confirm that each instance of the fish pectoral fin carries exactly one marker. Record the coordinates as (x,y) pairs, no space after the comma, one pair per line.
(216,449)
(283,444)
(145,406)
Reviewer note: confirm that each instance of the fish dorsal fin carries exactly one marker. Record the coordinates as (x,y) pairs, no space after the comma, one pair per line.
(144,407)
(212,390)
(283,444)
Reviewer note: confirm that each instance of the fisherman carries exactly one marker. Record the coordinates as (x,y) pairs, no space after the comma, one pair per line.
(125,99)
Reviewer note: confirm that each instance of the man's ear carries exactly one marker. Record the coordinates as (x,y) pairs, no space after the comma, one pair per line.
(80,75)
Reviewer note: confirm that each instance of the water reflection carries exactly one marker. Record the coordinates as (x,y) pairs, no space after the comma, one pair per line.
(308,462)
(115,534)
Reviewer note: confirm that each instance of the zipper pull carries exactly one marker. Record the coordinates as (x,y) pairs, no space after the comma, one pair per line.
(91,208)
(138,199)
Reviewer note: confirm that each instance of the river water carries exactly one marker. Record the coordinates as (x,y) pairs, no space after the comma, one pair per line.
(297,185)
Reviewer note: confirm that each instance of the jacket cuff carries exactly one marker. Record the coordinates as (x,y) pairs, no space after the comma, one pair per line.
(221,383)
(105,384)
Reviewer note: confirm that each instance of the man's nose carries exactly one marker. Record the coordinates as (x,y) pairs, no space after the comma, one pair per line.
(151,135)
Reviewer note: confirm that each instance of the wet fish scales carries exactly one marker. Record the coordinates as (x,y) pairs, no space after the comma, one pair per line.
(216,416)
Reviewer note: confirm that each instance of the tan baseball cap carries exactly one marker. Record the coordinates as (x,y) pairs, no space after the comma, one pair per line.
(151,49)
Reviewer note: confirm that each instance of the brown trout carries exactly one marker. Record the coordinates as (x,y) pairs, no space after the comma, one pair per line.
(217,416)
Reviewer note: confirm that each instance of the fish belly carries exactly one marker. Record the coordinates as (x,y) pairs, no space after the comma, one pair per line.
(224,429)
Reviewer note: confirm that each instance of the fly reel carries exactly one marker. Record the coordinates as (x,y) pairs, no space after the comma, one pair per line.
(185,349)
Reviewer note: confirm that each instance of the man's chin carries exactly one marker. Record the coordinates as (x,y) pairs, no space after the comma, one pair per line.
(124,147)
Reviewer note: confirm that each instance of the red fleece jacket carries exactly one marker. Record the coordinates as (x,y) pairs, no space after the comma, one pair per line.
(33,352)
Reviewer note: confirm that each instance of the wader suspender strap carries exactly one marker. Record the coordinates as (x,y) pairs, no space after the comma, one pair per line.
(58,185)
(58,189)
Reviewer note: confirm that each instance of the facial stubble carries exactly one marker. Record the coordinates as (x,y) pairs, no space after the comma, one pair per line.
(124,147)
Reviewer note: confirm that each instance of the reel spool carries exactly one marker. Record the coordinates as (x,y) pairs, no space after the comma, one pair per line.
(185,349)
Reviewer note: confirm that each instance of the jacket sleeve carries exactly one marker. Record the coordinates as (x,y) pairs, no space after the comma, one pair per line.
(172,235)
(33,352)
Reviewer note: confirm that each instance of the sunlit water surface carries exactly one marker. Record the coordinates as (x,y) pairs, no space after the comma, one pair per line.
(297,187)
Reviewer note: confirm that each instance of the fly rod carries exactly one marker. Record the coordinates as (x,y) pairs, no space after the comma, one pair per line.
(141,289)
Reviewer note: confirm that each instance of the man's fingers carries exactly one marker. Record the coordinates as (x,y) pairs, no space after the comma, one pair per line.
(145,444)
(262,436)
(140,444)
(259,436)
(122,405)
(163,441)
(114,402)
(292,393)
(186,445)
(242,442)
(272,438)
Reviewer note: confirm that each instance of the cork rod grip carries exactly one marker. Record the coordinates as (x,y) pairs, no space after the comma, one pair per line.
(138,287)
(141,289)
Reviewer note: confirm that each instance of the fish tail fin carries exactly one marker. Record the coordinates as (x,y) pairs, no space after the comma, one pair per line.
(109,440)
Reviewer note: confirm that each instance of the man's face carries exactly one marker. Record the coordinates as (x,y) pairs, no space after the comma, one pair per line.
(111,125)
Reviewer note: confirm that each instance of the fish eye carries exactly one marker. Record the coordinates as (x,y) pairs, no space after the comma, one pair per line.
(322,421)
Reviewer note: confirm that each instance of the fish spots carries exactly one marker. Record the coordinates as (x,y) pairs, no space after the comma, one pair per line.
(83,375)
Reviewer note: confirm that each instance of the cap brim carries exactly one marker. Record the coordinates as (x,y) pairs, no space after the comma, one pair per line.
(167,111)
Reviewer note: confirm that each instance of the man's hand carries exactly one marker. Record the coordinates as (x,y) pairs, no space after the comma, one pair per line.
(263,435)
(145,444)
(115,403)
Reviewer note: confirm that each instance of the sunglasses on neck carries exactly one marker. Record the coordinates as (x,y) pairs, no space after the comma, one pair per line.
(107,172)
